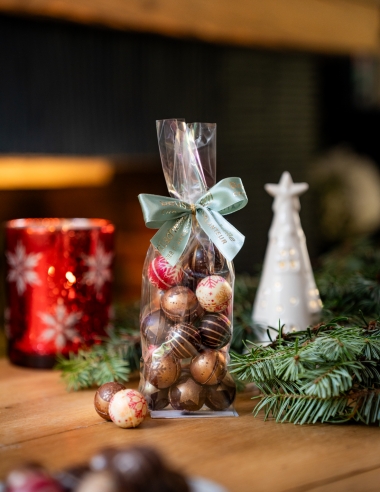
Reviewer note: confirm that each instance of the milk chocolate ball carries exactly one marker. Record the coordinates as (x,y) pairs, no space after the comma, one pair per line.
(180,304)
(222,395)
(163,371)
(155,326)
(209,367)
(186,394)
(215,330)
(184,340)
(103,397)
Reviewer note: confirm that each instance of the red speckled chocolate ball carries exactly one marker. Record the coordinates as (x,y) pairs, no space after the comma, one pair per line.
(162,275)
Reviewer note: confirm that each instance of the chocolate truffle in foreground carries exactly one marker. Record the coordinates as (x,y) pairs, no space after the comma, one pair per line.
(103,397)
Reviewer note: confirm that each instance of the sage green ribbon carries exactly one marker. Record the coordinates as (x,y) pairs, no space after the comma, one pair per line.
(173,218)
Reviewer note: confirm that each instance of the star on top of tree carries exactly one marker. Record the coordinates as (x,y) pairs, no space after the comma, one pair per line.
(286,188)
(22,268)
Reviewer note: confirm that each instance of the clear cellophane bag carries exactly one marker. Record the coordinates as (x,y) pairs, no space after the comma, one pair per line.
(185,339)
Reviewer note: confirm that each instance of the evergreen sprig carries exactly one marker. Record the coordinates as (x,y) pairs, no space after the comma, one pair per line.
(327,373)
(111,359)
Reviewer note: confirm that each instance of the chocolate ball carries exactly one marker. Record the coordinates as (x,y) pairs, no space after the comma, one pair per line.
(209,367)
(184,340)
(103,397)
(99,481)
(215,330)
(222,395)
(69,478)
(201,263)
(186,394)
(162,275)
(128,408)
(214,294)
(155,327)
(180,304)
(142,469)
(163,371)
(157,398)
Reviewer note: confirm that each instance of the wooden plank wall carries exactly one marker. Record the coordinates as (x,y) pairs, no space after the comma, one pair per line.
(340,26)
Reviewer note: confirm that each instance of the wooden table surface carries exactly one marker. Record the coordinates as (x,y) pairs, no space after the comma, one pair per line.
(42,422)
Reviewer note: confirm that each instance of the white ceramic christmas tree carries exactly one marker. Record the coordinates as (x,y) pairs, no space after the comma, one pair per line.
(287,292)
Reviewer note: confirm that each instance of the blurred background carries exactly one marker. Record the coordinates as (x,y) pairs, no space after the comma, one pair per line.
(292,86)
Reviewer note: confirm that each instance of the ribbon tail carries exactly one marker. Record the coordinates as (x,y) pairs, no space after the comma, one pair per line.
(224,235)
(172,237)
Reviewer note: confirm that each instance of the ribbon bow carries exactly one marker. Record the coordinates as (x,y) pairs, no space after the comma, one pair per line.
(173,218)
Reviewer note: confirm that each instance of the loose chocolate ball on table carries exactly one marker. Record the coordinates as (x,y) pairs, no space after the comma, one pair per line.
(163,371)
(155,326)
(215,330)
(127,408)
(184,340)
(103,397)
(99,481)
(180,304)
(30,478)
(187,394)
(70,478)
(162,275)
(214,293)
(209,367)
(157,398)
(222,395)
(141,469)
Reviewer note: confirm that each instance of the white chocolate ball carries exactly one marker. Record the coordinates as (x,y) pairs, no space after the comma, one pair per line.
(214,293)
(127,408)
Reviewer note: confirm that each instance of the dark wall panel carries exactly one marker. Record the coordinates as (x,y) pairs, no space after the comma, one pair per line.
(67,88)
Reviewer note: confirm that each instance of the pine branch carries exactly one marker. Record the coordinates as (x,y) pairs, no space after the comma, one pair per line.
(112,359)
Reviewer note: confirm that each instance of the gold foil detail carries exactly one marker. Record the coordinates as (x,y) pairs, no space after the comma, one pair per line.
(189,391)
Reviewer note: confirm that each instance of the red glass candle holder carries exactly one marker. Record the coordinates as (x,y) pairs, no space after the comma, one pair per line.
(58,279)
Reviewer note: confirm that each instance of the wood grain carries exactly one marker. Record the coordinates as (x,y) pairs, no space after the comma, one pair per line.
(40,421)
(341,26)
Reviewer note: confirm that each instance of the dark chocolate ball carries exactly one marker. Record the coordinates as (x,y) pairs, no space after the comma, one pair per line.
(222,395)
(155,326)
(180,304)
(69,478)
(103,397)
(142,469)
(184,340)
(215,330)
(202,263)
(186,394)
(163,371)
(209,367)
(157,398)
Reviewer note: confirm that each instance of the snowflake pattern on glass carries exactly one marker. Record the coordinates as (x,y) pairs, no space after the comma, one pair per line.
(99,270)
(60,326)
(22,268)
